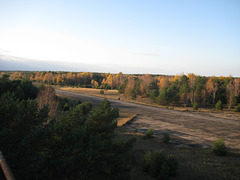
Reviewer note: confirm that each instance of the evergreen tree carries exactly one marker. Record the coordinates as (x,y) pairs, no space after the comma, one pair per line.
(163,97)
(184,88)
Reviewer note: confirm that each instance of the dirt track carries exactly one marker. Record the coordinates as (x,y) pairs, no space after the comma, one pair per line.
(187,128)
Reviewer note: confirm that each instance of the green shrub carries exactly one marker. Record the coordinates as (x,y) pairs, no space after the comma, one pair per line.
(237,108)
(159,165)
(219,105)
(101,91)
(119,98)
(219,148)
(166,138)
(163,97)
(195,106)
(149,133)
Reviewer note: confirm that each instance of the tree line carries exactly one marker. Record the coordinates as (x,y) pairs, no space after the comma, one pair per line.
(165,90)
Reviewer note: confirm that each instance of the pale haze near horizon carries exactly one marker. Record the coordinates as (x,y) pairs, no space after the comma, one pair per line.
(155,37)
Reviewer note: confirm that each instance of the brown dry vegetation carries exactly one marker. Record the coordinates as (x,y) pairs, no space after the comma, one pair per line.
(124,117)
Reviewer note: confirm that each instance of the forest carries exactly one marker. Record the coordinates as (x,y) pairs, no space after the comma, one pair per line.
(77,144)
(178,90)
(41,138)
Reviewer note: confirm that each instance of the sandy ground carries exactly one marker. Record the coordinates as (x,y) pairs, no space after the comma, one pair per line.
(195,129)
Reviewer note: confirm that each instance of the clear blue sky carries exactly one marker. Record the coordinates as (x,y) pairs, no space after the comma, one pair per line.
(131,36)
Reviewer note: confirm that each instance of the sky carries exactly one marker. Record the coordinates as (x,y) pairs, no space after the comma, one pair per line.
(129,36)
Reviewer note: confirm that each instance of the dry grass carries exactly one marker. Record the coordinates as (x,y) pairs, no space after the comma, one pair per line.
(125,117)
(112,94)
(69,98)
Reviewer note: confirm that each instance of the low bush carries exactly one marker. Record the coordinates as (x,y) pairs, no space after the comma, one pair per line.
(237,108)
(166,138)
(101,91)
(219,148)
(149,133)
(159,165)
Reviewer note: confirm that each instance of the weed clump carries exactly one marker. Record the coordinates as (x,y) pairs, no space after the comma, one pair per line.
(219,148)
(159,165)
(101,91)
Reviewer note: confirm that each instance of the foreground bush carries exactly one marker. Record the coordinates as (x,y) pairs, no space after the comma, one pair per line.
(219,148)
(159,165)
